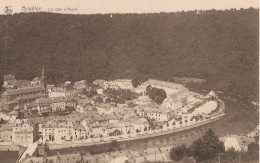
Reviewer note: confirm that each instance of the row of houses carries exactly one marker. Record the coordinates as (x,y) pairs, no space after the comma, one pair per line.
(51,104)
(91,125)
(19,133)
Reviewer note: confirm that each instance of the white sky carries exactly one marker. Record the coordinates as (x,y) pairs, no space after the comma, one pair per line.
(127,6)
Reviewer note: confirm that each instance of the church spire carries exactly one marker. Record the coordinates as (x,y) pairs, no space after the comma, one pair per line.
(43,75)
(43,78)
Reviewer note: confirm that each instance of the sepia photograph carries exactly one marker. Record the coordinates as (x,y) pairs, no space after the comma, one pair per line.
(129,81)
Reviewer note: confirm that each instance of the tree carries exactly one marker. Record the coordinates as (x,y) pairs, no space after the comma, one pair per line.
(98,100)
(138,80)
(179,152)
(253,151)
(145,128)
(207,147)
(114,143)
(230,156)
(157,95)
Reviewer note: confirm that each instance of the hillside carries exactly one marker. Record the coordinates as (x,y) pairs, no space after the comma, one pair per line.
(219,46)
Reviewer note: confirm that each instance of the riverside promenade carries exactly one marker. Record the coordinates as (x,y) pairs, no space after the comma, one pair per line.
(145,135)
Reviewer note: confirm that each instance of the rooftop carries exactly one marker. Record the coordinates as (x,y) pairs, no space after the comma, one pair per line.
(23,90)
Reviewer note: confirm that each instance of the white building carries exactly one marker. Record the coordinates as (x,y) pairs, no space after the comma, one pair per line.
(119,83)
(178,100)
(239,143)
(60,132)
(157,113)
(57,92)
(22,133)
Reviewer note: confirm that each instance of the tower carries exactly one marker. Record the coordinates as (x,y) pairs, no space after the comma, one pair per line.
(43,78)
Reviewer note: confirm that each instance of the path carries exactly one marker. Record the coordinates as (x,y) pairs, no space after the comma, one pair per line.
(29,151)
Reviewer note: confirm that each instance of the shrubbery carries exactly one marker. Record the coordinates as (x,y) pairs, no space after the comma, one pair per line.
(156,94)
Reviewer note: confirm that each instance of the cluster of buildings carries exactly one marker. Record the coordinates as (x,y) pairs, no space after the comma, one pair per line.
(135,156)
(79,117)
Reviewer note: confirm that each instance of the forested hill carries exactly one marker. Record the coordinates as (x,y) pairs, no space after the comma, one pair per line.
(220,46)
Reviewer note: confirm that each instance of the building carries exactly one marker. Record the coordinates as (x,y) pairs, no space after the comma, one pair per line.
(37,81)
(178,100)
(60,132)
(254,133)
(99,82)
(6,133)
(57,92)
(212,95)
(119,83)
(163,84)
(157,113)
(9,81)
(239,143)
(143,100)
(80,85)
(139,124)
(54,104)
(13,97)
(22,133)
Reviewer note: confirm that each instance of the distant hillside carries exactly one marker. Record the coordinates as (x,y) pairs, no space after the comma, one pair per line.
(220,46)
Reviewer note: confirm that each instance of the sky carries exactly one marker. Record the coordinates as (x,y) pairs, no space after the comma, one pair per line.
(120,6)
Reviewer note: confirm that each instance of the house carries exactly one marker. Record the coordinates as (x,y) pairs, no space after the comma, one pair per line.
(212,95)
(22,133)
(6,133)
(5,116)
(9,81)
(37,81)
(80,85)
(153,111)
(239,143)
(100,91)
(36,122)
(254,133)
(99,82)
(139,124)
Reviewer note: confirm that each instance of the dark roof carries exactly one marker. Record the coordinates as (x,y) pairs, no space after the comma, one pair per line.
(6,126)
(52,100)
(23,90)
(37,120)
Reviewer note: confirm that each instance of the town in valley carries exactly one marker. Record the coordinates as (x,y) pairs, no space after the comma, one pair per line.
(38,116)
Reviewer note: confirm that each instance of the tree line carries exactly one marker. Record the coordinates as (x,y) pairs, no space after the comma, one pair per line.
(219,46)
